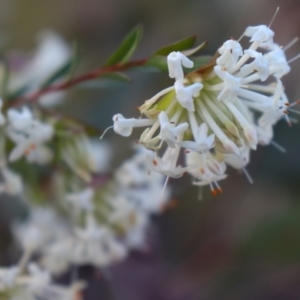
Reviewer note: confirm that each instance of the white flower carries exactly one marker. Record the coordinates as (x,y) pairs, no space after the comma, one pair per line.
(167,164)
(206,170)
(41,227)
(59,292)
(39,279)
(51,54)
(202,142)
(175,62)
(278,63)
(29,135)
(12,182)
(56,256)
(234,97)
(238,161)
(260,34)
(8,277)
(230,52)
(124,126)
(168,131)
(231,84)
(95,245)
(82,199)
(185,94)
(259,65)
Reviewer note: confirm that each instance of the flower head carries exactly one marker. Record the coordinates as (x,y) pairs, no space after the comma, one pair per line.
(216,113)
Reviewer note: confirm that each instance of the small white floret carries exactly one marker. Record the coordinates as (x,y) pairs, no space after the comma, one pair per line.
(175,62)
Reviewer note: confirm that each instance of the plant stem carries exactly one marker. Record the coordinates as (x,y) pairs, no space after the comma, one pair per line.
(33,97)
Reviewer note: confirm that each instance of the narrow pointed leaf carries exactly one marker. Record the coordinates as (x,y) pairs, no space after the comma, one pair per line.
(157,62)
(65,70)
(199,61)
(181,45)
(195,50)
(126,49)
(107,80)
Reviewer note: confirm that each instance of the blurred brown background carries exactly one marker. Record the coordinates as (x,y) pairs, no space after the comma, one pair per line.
(243,244)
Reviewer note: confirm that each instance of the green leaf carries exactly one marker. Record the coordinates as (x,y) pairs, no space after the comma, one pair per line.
(106,80)
(195,50)
(67,69)
(126,49)
(199,61)
(17,93)
(181,45)
(116,76)
(158,62)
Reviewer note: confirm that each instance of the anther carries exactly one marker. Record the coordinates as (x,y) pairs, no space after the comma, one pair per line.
(214,192)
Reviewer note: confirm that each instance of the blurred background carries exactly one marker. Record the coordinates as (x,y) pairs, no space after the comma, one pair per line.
(243,244)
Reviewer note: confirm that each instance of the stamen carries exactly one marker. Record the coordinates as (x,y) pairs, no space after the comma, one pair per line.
(212,190)
(291,43)
(294,103)
(165,185)
(249,178)
(294,111)
(276,12)
(219,189)
(278,147)
(293,59)
(200,193)
(110,127)
(152,130)
(241,37)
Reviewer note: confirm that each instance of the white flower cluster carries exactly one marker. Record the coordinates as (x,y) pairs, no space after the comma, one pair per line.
(94,218)
(29,136)
(217,113)
(36,284)
(104,222)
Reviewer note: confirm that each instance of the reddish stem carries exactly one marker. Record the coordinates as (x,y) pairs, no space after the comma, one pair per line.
(71,82)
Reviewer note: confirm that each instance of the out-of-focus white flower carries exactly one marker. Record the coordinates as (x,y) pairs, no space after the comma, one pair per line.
(56,256)
(95,245)
(29,135)
(82,200)
(12,182)
(8,277)
(143,190)
(51,54)
(42,227)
